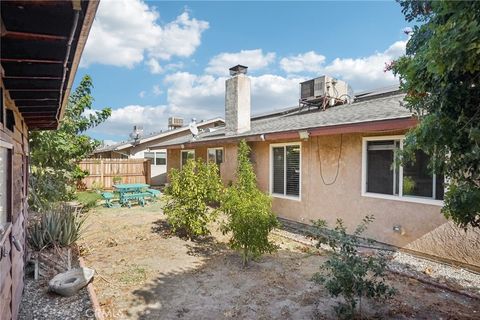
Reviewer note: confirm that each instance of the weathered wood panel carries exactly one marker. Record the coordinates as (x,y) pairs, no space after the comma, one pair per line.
(103,171)
(13,263)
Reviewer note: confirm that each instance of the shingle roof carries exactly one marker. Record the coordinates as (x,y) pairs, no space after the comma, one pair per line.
(126,144)
(374,109)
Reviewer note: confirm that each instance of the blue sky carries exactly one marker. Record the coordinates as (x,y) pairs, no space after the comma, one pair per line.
(150,60)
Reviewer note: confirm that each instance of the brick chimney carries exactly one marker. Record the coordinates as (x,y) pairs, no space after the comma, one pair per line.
(237,101)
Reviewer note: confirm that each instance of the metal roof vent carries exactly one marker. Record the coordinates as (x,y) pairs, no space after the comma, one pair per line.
(238,69)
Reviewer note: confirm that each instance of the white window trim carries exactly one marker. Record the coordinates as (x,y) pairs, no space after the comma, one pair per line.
(216,148)
(400,196)
(185,150)
(270,188)
(155,155)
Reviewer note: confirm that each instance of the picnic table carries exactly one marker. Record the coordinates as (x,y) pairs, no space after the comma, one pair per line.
(133,191)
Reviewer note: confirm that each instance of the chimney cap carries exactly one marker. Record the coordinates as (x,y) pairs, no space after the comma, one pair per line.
(238,69)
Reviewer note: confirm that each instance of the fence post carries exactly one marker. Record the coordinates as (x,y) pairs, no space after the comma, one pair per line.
(102,180)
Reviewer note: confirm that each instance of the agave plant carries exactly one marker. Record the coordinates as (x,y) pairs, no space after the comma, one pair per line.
(60,226)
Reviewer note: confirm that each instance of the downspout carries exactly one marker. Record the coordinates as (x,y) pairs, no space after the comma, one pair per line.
(67,56)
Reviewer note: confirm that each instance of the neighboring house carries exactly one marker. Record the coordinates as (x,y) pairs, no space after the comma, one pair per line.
(158,158)
(333,163)
(41,45)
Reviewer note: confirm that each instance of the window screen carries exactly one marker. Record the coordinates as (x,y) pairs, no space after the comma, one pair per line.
(279,170)
(286,170)
(161,158)
(381,174)
(4,180)
(215,155)
(293,170)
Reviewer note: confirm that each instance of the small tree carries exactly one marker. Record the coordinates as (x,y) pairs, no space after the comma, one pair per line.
(249,211)
(54,155)
(348,274)
(440,75)
(189,195)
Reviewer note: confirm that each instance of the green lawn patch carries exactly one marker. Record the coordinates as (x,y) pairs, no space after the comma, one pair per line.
(88,199)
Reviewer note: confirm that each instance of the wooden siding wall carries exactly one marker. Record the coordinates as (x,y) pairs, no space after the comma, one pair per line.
(12,266)
(102,172)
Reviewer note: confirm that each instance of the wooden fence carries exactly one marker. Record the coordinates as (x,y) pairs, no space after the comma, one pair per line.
(103,171)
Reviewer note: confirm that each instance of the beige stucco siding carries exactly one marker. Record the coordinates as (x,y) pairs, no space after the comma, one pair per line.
(332,198)
(423,227)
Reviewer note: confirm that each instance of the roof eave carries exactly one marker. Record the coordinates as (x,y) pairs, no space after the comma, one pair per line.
(385,125)
(82,40)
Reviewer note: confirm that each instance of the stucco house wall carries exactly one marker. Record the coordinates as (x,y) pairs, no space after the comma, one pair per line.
(423,227)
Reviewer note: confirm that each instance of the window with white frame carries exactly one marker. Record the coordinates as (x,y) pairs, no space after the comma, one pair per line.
(285,170)
(383,175)
(185,156)
(158,158)
(215,155)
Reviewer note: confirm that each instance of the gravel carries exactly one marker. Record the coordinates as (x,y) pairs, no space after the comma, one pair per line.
(39,304)
(414,267)
(440,272)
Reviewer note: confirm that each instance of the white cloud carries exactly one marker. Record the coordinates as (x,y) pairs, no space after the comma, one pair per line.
(142,94)
(361,73)
(109,142)
(253,59)
(203,96)
(367,72)
(307,62)
(126,32)
(122,120)
(154,66)
(180,37)
(157,90)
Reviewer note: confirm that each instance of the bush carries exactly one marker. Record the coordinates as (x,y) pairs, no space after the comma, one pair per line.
(60,226)
(347,273)
(249,211)
(189,195)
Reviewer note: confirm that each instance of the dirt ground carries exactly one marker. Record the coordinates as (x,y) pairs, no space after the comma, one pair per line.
(144,272)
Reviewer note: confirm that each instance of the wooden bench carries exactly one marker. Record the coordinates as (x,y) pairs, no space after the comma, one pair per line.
(154,193)
(139,196)
(108,197)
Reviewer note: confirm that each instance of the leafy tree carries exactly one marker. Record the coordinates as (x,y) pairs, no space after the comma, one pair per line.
(441,75)
(54,155)
(249,211)
(347,273)
(189,195)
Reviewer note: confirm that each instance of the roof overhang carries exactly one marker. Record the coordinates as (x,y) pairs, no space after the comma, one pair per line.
(41,45)
(387,125)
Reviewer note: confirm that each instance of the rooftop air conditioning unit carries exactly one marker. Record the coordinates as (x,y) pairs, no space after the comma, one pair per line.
(324,87)
(175,122)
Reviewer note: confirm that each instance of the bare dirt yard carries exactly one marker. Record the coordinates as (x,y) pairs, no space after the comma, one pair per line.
(145,272)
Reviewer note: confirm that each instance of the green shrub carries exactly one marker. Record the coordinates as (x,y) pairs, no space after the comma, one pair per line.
(348,274)
(88,199)
(60,226)
(189,195)
(248,210)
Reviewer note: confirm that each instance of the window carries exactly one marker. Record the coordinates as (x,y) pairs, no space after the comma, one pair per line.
(5,178)
(384,177)
(156,158)
(215,155)
(285,170)
(186,155)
